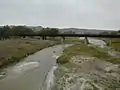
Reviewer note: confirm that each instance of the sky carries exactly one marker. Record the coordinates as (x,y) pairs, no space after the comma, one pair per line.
(102,14)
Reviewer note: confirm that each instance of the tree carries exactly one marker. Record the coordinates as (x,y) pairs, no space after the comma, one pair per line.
(4,32)
(7,32)
(69,32)
(21,30)
(50,31)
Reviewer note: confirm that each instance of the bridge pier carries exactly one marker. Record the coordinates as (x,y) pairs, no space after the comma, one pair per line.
(110,42)
(86,41)
(63,38)
(44,38)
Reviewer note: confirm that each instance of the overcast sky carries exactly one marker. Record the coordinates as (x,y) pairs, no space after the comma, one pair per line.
(104,14)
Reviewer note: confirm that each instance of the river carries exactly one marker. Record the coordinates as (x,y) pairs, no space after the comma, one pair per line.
(31,73)
(36,71)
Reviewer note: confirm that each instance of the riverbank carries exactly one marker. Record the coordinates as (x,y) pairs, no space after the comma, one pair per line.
(114,44)
(14,50)
(79,49)
(84,67)
(31,73)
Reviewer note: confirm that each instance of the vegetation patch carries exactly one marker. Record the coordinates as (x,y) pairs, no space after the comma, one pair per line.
(14,50)
(78,66)
(115,60)
(72,40)
(114,43)
(80,49)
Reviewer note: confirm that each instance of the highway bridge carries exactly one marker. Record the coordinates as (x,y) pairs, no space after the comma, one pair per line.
(63,36)
(73,35)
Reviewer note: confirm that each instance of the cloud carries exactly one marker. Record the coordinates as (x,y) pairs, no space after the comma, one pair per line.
(62,13)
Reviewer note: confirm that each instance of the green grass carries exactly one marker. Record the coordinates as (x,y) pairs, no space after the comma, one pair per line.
(79,50)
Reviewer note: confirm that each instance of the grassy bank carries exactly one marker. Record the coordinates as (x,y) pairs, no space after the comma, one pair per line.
(80,63)
(14,50)
(114,43)
(73,40)
(82,49)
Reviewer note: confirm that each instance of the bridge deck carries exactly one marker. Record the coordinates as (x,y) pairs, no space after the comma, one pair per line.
(73,35)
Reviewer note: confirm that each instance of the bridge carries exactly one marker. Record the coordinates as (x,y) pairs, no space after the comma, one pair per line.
(73,35)
(44,36)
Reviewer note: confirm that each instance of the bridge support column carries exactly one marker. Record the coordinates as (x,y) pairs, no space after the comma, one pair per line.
(86,40)
(110,41)
(43,37)
(63,38)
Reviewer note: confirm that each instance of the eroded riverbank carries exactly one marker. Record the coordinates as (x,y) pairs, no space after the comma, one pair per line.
(87,73)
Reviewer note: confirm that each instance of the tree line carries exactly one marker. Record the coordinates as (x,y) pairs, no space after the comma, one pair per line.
(9,32)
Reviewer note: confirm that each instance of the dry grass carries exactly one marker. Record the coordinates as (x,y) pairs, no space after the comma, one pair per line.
(12,51)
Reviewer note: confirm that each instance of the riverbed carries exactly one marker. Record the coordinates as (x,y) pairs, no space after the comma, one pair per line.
(31,73)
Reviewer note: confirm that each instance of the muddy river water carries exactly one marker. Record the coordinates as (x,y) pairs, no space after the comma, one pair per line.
(31,73)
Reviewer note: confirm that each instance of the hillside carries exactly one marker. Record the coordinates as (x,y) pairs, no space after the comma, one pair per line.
(77,30)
